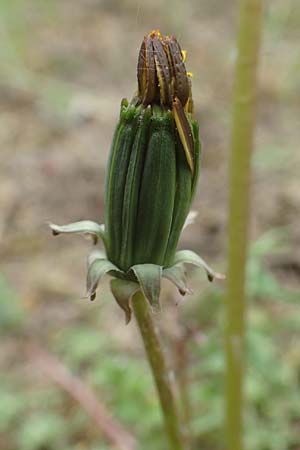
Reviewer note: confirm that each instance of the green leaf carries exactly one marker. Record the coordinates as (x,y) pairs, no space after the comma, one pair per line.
(123,290)
(176,275)
(149,278)
(97,268)
(83,227)
(190,257)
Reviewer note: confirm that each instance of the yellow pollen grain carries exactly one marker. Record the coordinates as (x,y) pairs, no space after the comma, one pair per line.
(156,33)
(183,54)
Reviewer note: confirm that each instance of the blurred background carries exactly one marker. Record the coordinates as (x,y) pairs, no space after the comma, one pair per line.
(68,365)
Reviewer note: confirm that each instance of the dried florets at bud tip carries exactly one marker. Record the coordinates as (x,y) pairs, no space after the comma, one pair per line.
(161,71)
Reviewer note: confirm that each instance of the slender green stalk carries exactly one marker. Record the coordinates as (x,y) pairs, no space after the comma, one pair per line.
(240,171)
(153,347)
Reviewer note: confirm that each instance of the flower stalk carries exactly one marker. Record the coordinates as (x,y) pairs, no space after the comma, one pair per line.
(154,351)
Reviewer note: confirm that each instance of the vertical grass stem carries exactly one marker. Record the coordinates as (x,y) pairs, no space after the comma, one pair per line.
(250,16)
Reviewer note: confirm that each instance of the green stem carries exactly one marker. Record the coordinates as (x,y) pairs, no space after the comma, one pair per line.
(240,171)
(153,347)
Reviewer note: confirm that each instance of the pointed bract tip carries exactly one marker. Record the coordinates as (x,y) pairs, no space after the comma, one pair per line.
(127,317)
(53,228)
(215,275)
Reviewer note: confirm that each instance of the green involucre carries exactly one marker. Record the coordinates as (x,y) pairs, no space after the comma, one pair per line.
(149,187)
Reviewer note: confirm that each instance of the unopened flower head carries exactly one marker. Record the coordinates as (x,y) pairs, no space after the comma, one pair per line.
(151,179)
(154,162)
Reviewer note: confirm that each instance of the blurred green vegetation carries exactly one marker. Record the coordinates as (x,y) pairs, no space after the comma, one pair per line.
(41,416)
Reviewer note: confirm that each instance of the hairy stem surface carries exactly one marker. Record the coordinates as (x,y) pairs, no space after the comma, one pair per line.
(240,171)
(156,358)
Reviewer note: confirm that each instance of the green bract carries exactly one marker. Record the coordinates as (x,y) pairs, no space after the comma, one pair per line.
(151,179)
